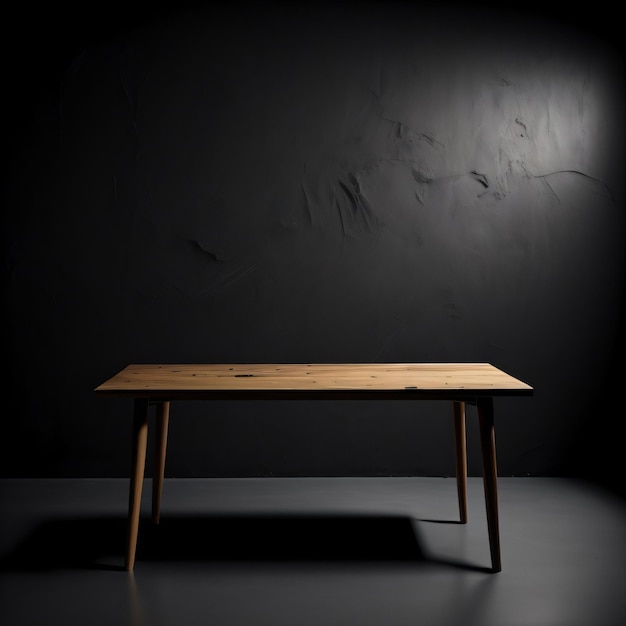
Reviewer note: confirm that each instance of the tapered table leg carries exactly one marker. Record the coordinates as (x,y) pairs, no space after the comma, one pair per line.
(461,458)
(490,477)
(140,440)
(162,420)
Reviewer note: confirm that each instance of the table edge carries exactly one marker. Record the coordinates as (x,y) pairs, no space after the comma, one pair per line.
(311,394)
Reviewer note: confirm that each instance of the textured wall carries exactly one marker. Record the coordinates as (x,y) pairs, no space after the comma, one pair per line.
(290,182)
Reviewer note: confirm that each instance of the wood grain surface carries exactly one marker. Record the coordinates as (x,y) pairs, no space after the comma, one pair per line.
(188,380)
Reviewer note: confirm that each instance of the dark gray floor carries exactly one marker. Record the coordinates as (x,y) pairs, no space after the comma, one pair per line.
(312,551)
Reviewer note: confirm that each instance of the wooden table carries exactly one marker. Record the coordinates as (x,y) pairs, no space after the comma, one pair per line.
(459,383)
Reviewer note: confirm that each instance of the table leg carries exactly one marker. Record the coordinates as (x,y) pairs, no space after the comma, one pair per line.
(461,458)
(140,440)
(162,420)
(490,476)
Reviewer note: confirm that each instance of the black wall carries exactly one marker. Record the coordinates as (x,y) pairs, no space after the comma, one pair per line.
(313,182)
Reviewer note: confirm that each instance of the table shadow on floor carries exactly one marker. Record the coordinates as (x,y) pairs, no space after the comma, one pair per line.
(99,543)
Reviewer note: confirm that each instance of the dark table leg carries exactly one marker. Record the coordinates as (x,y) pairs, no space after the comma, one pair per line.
(490,476)
(162,420)
(461,458)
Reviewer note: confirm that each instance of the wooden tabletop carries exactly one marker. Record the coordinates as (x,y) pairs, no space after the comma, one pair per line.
(171,381)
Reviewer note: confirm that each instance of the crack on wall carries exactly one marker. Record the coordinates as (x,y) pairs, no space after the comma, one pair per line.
(223,281)
(524,132)
(400,130)
(422,180)
(356,214)
(308,203)
(197,246)
(480,178)
(545,177)
(420,177)
(338,190)
(237,275)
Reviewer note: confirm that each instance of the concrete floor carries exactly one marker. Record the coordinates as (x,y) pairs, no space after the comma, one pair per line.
(312,552)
